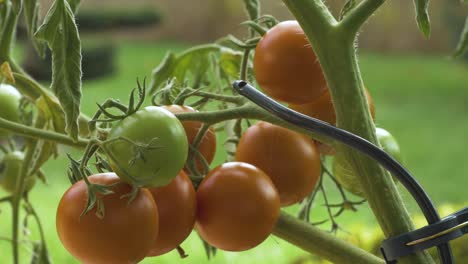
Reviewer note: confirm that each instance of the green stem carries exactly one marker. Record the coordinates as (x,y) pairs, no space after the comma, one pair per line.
(321,243)
(7,36)
(247,111)
(335,49)
(31,132)
(235,99)
(39,224)
(18,194)
(244,65)
(6,199)
(359,15)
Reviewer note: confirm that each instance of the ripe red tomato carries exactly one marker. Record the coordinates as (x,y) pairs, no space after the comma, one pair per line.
(237,207)
(290,159)
(177,209)
(207,145)
(125,234)
(285,66)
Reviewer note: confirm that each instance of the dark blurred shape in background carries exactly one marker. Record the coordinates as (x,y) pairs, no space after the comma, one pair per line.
(392,30)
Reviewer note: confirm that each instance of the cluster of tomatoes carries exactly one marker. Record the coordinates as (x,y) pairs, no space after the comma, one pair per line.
(236,205)
(234,208)
(11,162)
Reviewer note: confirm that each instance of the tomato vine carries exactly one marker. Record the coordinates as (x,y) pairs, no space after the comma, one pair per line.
(200,78)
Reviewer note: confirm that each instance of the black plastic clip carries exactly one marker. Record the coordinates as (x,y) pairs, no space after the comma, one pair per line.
(448,228)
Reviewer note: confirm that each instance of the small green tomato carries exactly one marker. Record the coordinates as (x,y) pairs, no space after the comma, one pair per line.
(148,148)
(10,168)
(9,105)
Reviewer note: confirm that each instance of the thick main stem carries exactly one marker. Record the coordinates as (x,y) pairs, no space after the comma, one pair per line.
(334,47)
(321,243)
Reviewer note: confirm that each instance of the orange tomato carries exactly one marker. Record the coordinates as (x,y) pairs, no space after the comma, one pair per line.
(290,159)
(177,209)
(237,207)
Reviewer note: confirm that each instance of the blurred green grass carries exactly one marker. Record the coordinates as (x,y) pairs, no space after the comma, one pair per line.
(419,99)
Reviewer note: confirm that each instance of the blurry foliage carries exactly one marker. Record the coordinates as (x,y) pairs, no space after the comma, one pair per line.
(370,238)
(91,20)
(98,61)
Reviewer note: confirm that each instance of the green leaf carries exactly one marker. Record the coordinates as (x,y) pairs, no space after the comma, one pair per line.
(61,33)
(6,73)
(253,8)
(46,119)
(74,4)
(348,6)
(230,62)
(462,46)
(422,16)
(192,61)
(31,14)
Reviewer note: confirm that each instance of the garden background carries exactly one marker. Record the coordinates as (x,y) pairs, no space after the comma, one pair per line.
(420,95)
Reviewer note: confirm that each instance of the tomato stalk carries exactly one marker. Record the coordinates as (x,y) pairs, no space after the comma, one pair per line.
(333,42)
(8,32)
(320,243)
(246,111)
(18,194)
(36,133)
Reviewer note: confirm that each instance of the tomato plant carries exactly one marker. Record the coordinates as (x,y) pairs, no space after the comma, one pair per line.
(207,145)
(125,234)
(286,67)
(10,168)
(9,101)
(177,209)
(237,207)
(290,159)
(105,218)
(149,147)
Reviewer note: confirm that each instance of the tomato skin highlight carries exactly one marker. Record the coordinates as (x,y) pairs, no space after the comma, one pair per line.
(286,67)
(9,102)
(177,210)
(290,159)
(237,207)
(10,169)
(161,163)
(207,145)
(124,235)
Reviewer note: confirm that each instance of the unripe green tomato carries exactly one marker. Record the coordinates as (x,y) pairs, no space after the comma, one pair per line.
(10,169)
(345,175)
(9,105)
(388,143)
(161,149)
